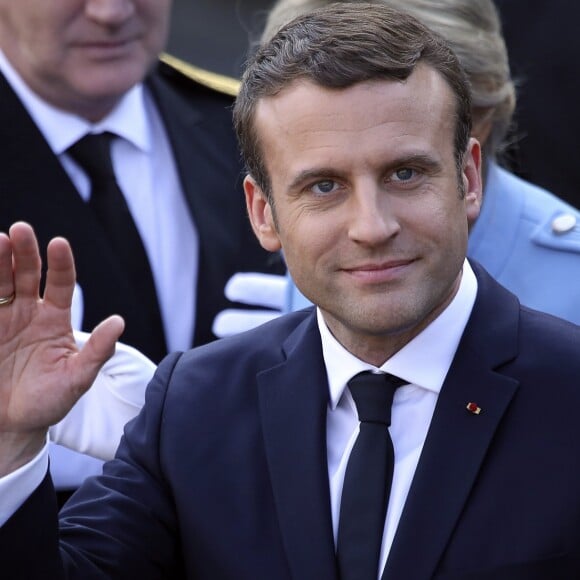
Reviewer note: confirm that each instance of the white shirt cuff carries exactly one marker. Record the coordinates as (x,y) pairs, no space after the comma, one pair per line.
(16,487)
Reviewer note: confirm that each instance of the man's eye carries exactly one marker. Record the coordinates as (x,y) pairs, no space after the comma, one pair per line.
(323,187)
(404,174)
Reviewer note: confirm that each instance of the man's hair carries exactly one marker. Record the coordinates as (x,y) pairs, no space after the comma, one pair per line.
(337,47)
(472,28)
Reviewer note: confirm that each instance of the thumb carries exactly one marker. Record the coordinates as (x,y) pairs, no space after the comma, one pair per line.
(99,347)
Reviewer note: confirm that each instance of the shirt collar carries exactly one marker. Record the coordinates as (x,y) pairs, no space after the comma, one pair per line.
(61,129)
(424,361)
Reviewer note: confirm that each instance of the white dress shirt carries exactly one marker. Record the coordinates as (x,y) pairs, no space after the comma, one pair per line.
(424,363)
(147,175)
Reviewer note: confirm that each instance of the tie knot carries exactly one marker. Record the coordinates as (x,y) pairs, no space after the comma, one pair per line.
(93,154)
(373,395)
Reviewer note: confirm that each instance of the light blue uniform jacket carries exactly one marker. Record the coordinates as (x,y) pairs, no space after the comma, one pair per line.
(526,238)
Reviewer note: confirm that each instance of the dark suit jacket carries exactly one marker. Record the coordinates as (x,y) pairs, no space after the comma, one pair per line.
(224,473)
(34,187)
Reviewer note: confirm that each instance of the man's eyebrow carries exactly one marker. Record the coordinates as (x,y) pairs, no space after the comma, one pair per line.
(427,162)
(313,173)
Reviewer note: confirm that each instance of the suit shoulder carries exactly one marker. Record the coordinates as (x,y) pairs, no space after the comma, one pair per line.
(555,337)
(190,76)
(232,364)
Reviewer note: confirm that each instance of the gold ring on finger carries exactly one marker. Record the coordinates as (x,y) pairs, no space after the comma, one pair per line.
(7,300)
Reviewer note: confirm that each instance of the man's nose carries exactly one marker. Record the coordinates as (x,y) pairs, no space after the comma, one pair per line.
(373,220)
(109,12)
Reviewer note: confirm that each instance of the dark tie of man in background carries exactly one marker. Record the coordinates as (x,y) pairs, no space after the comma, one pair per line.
(93,154)
(368,477)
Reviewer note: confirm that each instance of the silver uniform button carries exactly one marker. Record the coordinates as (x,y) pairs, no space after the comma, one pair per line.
(564,223)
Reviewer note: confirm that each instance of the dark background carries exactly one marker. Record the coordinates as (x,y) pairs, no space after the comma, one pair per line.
(543,38)
(215,34)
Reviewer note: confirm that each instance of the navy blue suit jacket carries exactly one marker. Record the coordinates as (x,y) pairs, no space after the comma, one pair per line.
(224,474)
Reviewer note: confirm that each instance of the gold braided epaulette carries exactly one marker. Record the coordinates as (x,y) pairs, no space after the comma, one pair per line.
(215,81)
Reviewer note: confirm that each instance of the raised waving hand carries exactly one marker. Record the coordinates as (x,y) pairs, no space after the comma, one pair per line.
(42,372)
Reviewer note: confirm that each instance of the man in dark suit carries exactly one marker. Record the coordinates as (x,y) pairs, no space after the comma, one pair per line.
(355,123)
(83,68)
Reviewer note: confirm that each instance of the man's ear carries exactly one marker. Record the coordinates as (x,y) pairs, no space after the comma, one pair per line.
(472,180)
(260,214)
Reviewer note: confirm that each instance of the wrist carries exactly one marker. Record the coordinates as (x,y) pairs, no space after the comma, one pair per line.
(18,449)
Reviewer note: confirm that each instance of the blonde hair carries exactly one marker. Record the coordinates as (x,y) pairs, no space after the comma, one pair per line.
(472,29)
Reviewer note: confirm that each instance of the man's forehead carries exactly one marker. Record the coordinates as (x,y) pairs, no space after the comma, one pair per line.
(425,88)
(313,129)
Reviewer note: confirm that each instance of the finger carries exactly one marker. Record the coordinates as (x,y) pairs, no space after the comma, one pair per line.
(26,260)
(60,275)
(100,345)
(6,279)
(98,348)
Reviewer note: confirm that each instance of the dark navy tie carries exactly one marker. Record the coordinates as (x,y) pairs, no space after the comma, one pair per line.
(368,477)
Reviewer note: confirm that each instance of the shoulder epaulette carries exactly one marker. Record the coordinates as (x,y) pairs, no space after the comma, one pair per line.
(561,231)
(215,81)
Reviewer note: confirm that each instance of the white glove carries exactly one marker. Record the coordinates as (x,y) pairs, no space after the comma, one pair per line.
(266,290)
(77,308)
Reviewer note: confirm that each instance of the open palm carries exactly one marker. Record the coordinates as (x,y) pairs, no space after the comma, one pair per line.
(42,373)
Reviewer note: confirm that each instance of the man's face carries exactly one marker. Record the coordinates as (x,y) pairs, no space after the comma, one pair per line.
(83,55)
(367,203)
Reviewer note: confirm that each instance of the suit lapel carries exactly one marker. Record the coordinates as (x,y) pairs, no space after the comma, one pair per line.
(458,440)
(34,175)
(208,163)
(293,404)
